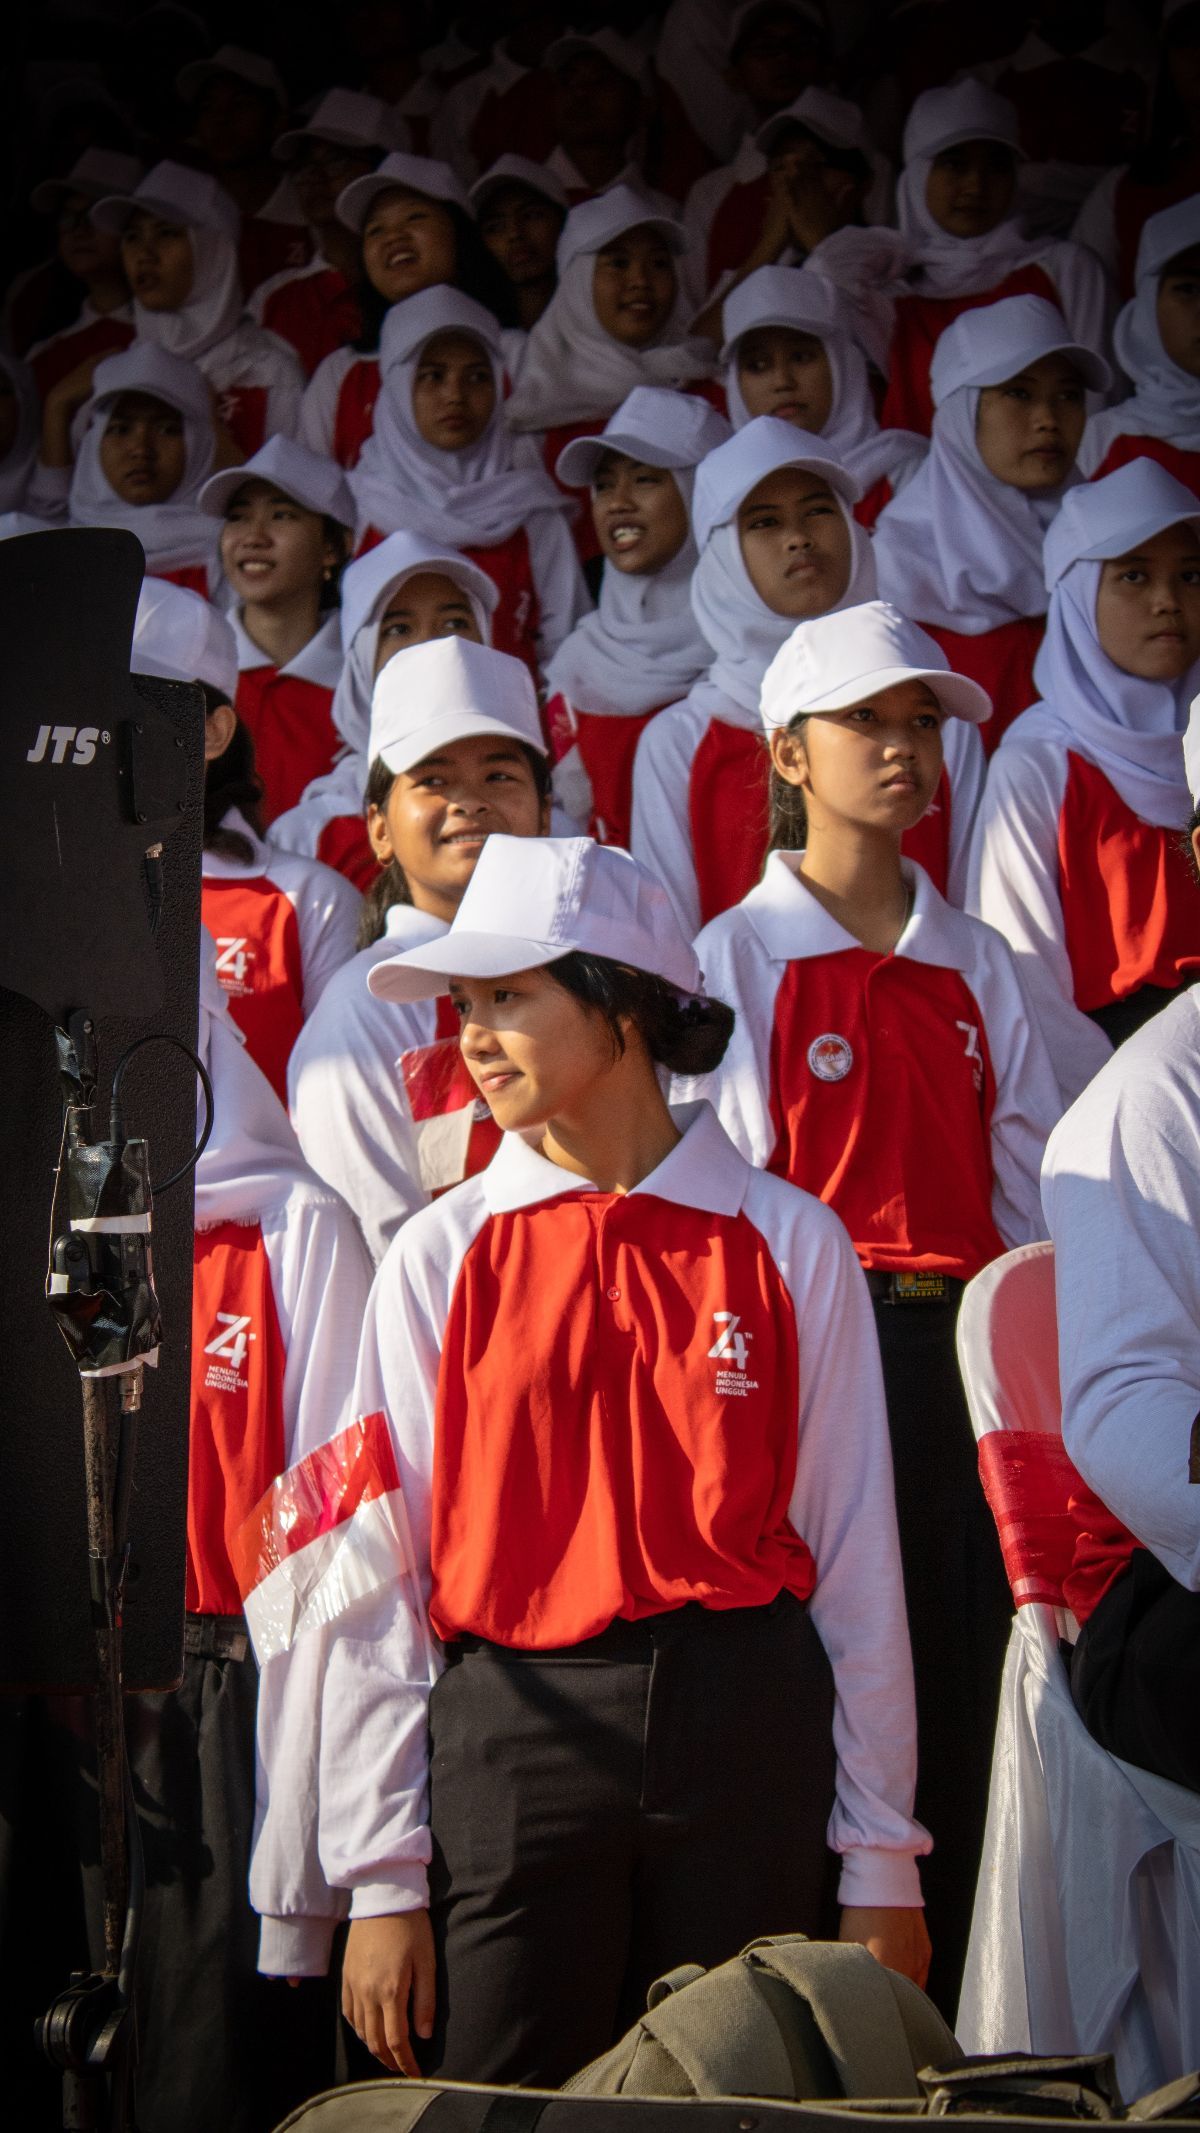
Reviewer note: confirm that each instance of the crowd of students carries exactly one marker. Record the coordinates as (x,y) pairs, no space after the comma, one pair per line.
(688,530)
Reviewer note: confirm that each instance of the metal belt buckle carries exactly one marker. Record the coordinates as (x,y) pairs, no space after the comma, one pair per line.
(919,1288)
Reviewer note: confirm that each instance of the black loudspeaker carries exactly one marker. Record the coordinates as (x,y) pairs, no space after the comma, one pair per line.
(101,824)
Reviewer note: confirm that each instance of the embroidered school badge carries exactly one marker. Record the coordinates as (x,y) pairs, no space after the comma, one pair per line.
(830,1057)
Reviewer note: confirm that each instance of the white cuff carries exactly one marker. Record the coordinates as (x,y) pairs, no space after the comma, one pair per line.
(871,1878)
(295,1947)
(385,1899)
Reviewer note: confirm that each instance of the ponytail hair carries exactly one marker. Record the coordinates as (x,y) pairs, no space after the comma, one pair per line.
(788,814)
(687,1036)
(230,781)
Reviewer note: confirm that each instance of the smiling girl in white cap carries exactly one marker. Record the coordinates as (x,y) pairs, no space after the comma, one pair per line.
(405,592)
(1076,858)
(377,1093)
(960,549)
(285,533)
(643,648)
(663,1693)
(884,1058)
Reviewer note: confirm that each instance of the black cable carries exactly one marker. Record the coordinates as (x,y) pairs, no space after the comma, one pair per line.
(116,1129)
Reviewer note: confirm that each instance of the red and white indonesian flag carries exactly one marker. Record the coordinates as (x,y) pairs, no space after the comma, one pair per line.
(327,1533)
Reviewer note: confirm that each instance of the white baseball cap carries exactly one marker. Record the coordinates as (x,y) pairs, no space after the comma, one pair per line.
(741,18)
(188,197)
(448,690)
(608,44)
(410,174)
(99,171)
(518,170)
(345,117)
(403,556)
(439,309)
(765,445)
(995,341)
(654,425)
(307,477)
(798,298)
(534,899)
(834,120)
(596,223)
(234,59)
(180,637)
(960,111)
(1101,519)
(144,367)
(1165,235)
(841,658)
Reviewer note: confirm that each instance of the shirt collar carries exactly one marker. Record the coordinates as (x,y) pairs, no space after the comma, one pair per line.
(703,1170)
(319,661)
(792,925)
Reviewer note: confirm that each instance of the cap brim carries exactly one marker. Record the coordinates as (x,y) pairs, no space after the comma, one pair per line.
(220,489)
(1130,538)
(790,324)
(1095,371)
(425,972)
(958,696)
(577,462)
(564,48)
(977,133)
(114,210)
(354,201)
(405,754)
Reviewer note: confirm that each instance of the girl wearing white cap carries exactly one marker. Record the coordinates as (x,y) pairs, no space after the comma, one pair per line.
(414,227)
(960,243)
(286,518)
(521,207)
(610,1320)
(960,549)
(179,249)
(136,456)
(282,925)
(316,308)
(1075,859)
(867,1010)
(642,649)
(91,260)
(404,592)
(778,544)
(1156,342)
(790,351)
(617,319)
(279,1288)
(377,1092)
(440,463)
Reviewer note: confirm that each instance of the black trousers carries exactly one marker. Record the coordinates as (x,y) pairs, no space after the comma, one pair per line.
(959,1614)
(658,1795)
(1135,1672)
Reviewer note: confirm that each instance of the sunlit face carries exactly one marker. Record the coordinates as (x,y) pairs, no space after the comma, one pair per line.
(640,517)
(1148,606)
(438,814)
(272,548)
(534,1052)
(795,543)
(970,187)
(158,261)
(427,605)
(84,250)
(520,228)
(320,170)
(1178,311)
(634,286)
(784,373)
(875,765)
(454,391)
(1029,429)
(143,452)
(409,243)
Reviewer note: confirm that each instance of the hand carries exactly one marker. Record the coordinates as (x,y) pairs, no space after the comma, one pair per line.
(75,388)
(896,1936)
(819,202)
(63,402)
(389,1963)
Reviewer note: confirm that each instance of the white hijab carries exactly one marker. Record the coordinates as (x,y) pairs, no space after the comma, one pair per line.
(21,458)
(474,498)
(958,549)
(1166,400)
(743,632)
(351,707)
(642,647)
(573,370)
(213,307)
(173,534)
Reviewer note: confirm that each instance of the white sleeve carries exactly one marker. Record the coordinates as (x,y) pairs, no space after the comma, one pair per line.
(1014,886)
(1096,223)
(327,912)
(287,388)
(1027,1104)
(1121,1189)
(843,1505)
(738,971)
(660,834)
(966,770)
(321,1278)
(1086,293)
(346,1105)
(48,493)
(317,417)
(559,581)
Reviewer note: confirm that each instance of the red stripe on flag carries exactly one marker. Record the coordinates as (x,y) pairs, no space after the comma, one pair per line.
(318,1494)
(436,1080)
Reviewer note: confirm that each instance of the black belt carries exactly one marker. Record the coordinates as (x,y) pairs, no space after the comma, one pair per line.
(915,1288)
(215,1636)
(624,1639)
